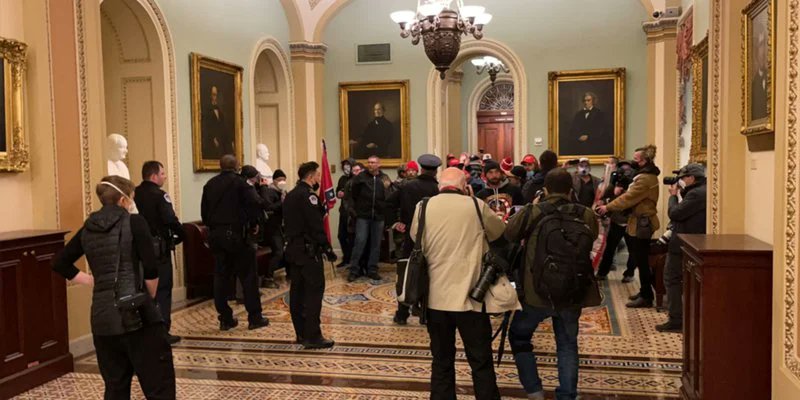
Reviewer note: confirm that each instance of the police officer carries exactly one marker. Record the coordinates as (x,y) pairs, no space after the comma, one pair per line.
(155,206)
(405,199)
(229,207)
(307,242)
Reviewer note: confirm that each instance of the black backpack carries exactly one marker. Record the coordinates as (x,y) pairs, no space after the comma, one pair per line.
(562,267)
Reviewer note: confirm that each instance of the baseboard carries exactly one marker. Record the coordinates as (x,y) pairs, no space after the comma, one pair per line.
(81,346)
(178,294)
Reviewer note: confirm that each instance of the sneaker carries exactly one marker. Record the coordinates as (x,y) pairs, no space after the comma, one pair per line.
(352,278)
(319,344)
(641,302)
(269,283)
(669,327)
(259,323)
(634,297)
(173,339)
(374,276)
(228,325)
(627,279)
(399,321)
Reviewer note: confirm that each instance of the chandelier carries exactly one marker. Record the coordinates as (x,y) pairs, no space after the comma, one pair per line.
(490,64)
(441,27)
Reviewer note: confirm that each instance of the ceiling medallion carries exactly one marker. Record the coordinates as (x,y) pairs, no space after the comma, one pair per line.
(441,27)
(491,65)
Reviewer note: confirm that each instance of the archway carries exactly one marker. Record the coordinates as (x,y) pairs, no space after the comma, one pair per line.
(439,101)
(476,97)
(272,116)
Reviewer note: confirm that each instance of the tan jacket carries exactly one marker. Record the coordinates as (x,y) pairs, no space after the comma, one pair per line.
(642,198)
(453,244)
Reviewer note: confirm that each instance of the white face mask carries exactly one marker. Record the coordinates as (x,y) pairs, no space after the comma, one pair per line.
(682,184)
(281,185)
(131,204)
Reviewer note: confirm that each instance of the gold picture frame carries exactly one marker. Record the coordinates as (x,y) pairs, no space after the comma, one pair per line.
(758,86)
(14,154)
(214,134)
(363,133)
(698,153)
(566,91)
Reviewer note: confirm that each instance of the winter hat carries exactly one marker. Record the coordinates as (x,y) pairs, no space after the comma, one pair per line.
(489,165)
(278,174)
(412,165)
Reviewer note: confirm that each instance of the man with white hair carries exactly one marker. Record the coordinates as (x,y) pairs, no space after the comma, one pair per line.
(452,230)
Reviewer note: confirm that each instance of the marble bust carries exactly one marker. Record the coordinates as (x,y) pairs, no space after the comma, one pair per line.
(262,156)
(117,150)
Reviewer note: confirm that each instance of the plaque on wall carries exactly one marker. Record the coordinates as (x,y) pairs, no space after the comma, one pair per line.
(380,53)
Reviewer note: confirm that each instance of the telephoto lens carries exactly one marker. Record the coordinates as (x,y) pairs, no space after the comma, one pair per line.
(670,180)
(487,279)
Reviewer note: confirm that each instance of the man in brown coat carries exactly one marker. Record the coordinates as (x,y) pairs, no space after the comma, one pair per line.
(642,198)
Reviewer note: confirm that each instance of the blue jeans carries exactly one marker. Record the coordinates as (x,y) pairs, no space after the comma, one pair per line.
(371,231)
(565,326)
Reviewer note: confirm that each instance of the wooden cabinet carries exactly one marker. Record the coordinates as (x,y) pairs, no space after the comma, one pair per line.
(34,345)
(727,287)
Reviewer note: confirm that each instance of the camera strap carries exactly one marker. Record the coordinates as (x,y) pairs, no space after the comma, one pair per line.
(480,218)
(116,267)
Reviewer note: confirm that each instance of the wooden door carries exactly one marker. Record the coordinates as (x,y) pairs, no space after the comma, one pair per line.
(496,133)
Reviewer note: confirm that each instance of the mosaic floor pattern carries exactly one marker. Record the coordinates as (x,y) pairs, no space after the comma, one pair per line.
(622,356)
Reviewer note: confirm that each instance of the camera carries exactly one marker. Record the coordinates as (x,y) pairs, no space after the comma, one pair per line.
(670,180)
(493,266)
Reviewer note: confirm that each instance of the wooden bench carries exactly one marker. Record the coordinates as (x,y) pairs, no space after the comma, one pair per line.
(198,261)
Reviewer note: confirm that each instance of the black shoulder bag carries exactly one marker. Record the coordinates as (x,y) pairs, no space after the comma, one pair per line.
(135,309)
(413,279)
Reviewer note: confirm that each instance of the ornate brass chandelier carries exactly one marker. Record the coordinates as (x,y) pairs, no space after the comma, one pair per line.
(440,27)
(491,65)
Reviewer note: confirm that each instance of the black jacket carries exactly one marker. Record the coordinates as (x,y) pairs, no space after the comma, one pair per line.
(108,236)
(303,214)
(501,199)
(410,193)
(274,211)
(533,185)
(688,216)
(228,201)
(369,195)
(155,206)
(341,184)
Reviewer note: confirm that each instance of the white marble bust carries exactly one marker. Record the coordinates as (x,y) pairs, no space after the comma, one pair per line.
(262,156)
(117,150)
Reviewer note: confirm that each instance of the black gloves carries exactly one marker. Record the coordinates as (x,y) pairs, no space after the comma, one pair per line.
(330,255)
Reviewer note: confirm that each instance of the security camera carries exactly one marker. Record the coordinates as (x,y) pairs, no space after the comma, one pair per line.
(658,14)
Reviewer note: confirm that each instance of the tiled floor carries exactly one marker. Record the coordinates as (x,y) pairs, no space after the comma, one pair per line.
(622,357)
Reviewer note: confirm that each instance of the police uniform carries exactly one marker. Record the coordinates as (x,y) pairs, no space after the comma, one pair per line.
(155,206)
(229,208)
(406,199)
(303,215)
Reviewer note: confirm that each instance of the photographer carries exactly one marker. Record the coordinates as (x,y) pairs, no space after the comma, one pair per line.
(642,199)
(128,339)
(619,182)
(454,244)
(686,216)
(527,225)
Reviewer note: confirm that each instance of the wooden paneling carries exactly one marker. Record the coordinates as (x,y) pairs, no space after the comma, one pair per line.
(33,311)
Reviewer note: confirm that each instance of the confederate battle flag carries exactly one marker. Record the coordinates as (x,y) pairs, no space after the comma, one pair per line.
(326,189)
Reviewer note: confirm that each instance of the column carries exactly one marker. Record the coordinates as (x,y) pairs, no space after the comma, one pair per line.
(662,114)
(308,73)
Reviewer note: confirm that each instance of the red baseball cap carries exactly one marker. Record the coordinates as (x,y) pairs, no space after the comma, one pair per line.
(529,159)
(412,165)
(507,164)
(453,162)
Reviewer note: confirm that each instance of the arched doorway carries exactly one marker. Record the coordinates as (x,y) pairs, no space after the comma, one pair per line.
(136,83)
(493,120)
(440,99)
(272,116)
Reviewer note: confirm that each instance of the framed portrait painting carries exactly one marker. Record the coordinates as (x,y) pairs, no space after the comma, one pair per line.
(374,121)
(14,156)
(216,111)
(587,114)
(758,68)
(699,149)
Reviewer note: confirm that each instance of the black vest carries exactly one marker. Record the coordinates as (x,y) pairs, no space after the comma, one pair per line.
(107,240)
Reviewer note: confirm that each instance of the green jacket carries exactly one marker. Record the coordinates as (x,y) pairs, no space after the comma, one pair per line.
(524,219)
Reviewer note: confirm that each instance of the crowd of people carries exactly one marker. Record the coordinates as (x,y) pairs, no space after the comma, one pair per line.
(526,213)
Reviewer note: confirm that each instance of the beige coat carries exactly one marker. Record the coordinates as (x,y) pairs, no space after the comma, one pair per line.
(642,198)
(453,244)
